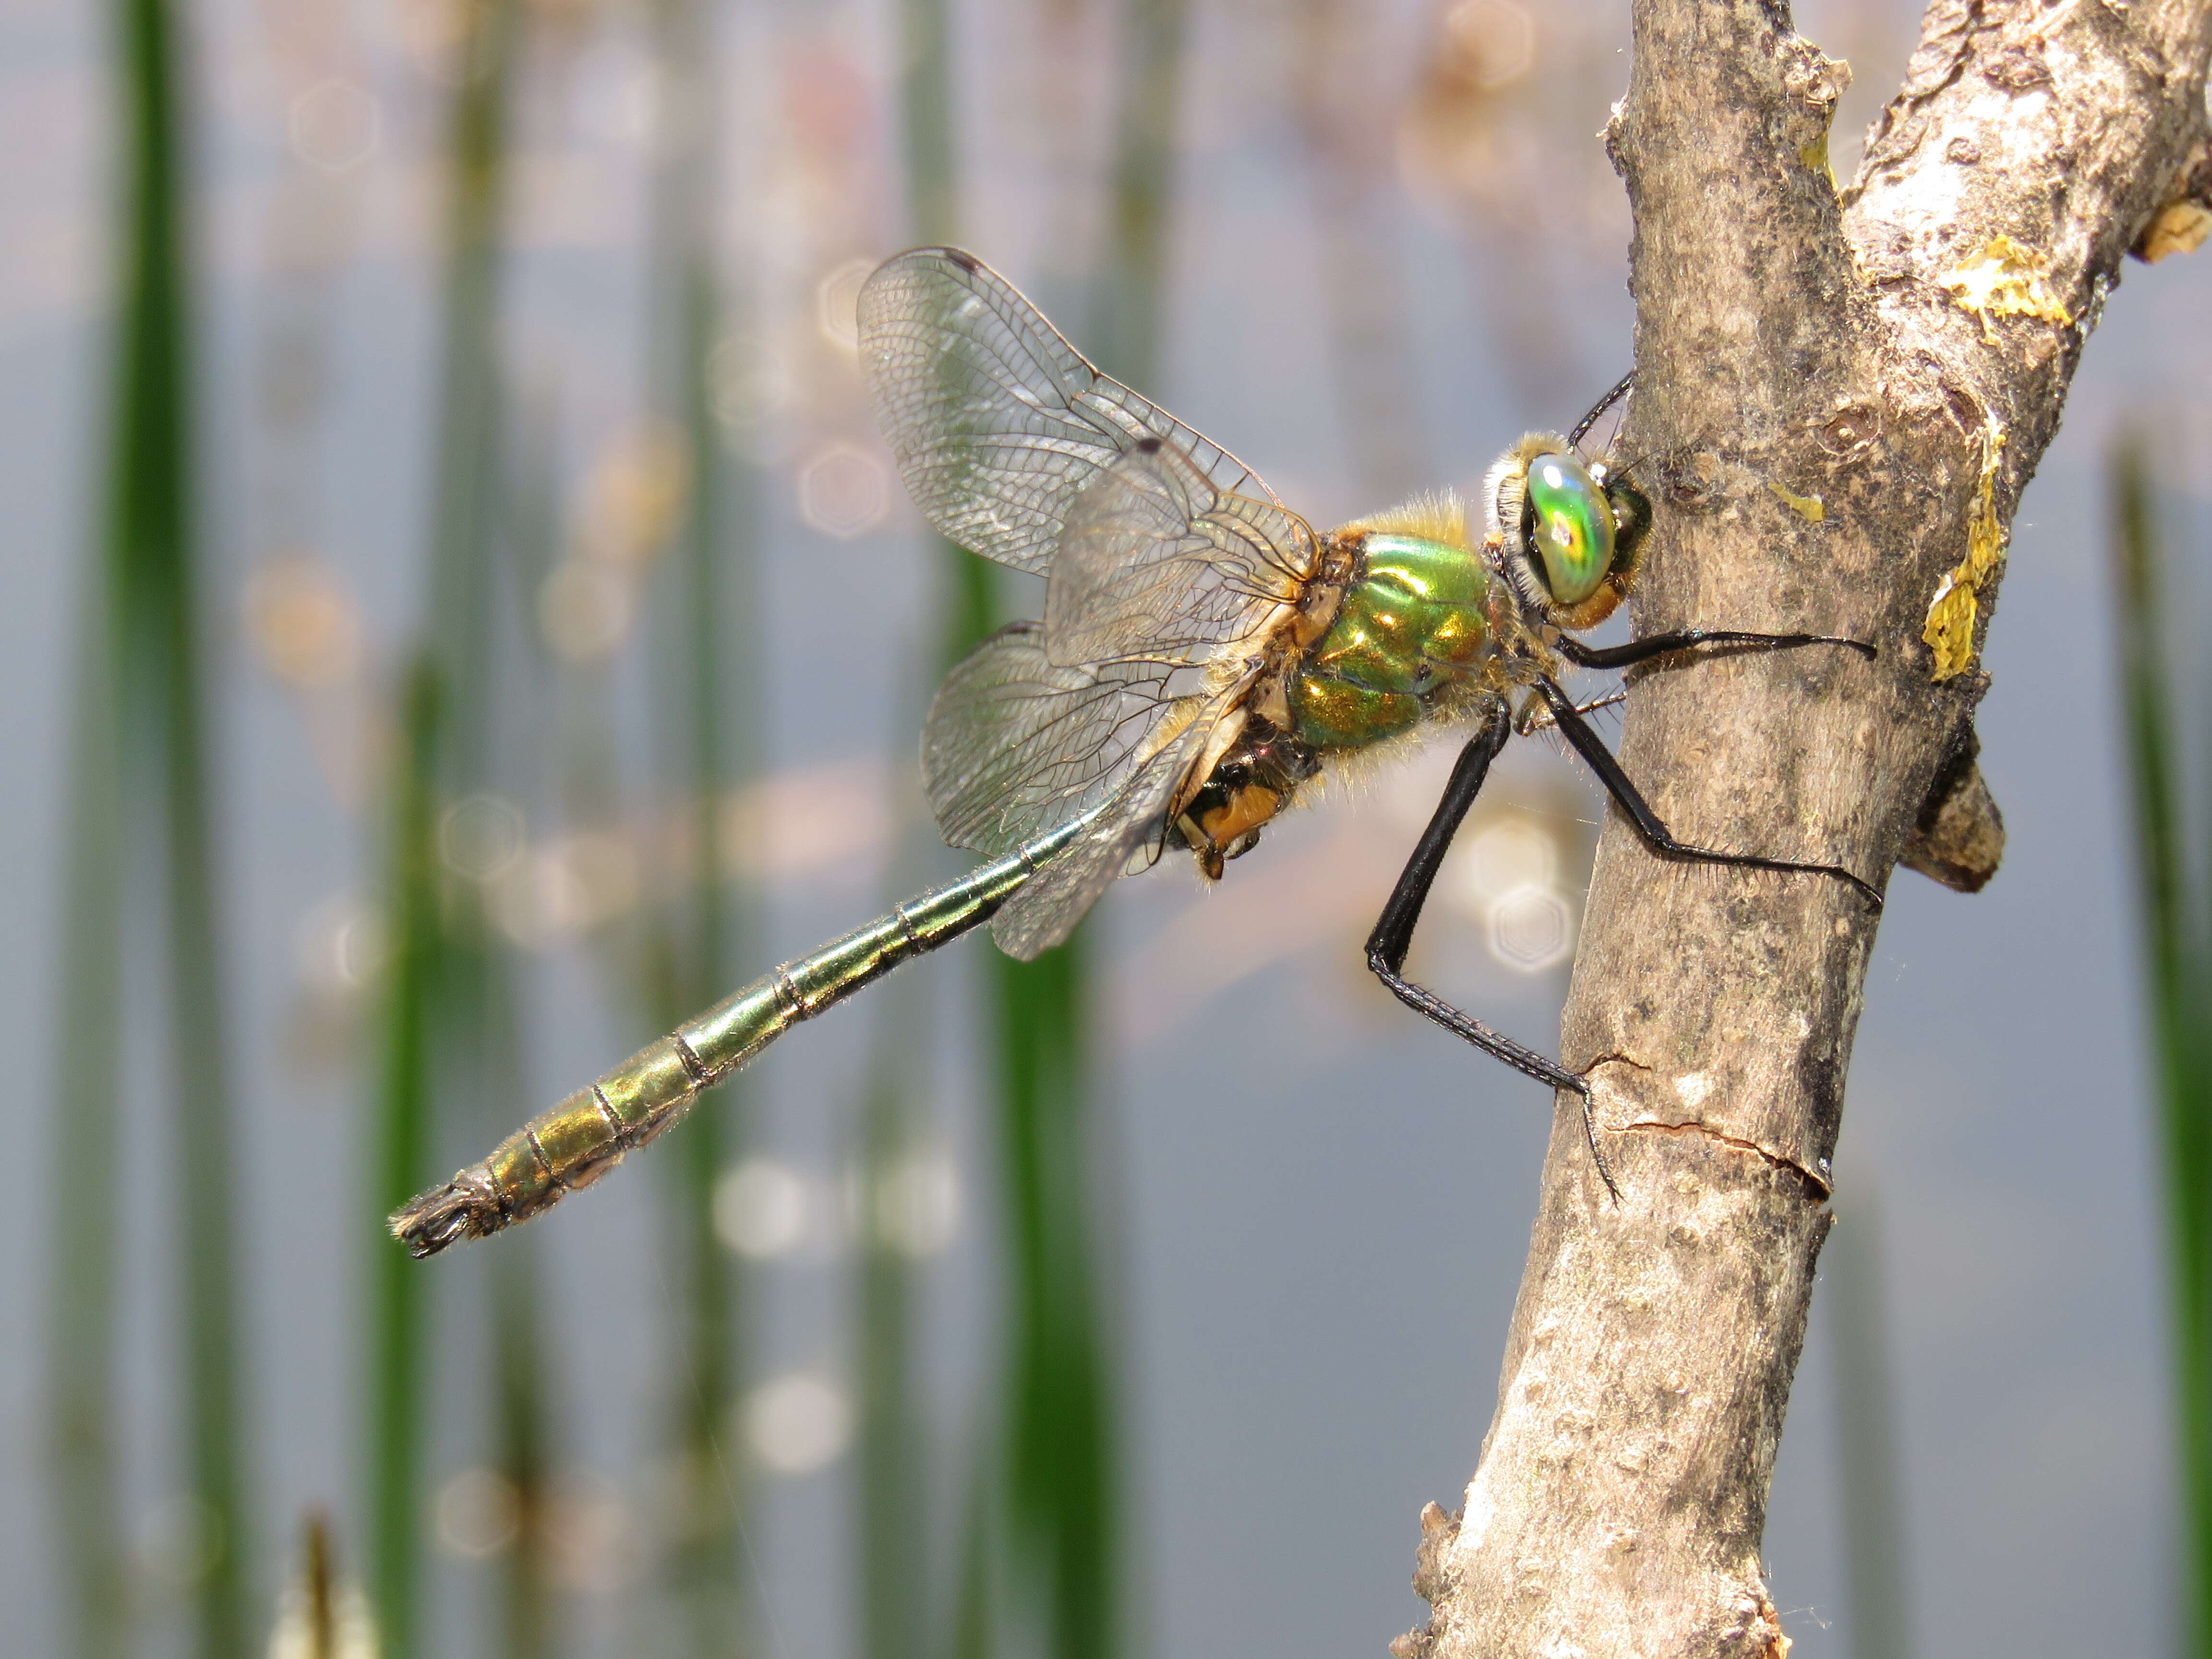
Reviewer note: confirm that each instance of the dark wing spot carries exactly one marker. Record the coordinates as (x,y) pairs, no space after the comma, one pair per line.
(967,261)
(1148,446)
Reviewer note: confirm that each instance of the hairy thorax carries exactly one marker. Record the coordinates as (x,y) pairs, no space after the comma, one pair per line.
(1400,626)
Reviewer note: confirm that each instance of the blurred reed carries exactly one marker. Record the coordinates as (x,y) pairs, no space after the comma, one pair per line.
(394,1434)
(892,1560)
(708,704)
(155,503)
(2176,898)
(139,756)
(476,1049)
(1041,1513)
(1063,1456)
(448,1008)
(525,1372)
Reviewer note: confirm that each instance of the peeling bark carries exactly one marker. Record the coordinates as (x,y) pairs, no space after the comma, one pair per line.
(1825,431)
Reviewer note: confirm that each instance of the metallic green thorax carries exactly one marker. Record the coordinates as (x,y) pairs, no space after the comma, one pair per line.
(1413,623)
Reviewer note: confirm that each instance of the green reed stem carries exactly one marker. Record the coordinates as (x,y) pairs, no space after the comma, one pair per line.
(485,1048)
(435,978)
(524,1414)
(1060,1455)
(2179,974)
(1064,1462)
(1061,1465)
(156,706)
(892,1509)
(213,1382)
(711,703)
(893,1506)
(477,1055)
(395,1450)
(524,1450)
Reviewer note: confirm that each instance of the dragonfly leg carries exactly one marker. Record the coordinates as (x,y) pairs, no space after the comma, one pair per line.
(1393,932)
(1535,715)
(1597,412)
(1658,645)
(1654,830)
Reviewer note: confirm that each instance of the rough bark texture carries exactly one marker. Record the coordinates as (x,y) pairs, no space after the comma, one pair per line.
(1821,424)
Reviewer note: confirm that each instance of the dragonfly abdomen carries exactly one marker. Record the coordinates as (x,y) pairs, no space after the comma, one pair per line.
(572,1145)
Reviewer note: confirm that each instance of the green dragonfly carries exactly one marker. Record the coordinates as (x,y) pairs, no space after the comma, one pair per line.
(1204,654)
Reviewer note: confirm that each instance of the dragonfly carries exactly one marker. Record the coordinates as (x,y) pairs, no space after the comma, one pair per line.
(1204,656)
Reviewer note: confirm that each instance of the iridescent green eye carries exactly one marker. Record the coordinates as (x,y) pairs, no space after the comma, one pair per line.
(1573,525)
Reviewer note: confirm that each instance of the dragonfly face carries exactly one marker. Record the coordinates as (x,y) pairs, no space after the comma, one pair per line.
(1566,532)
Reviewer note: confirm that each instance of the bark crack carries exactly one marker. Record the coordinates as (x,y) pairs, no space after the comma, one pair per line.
(1815,1188)
(1817,1185)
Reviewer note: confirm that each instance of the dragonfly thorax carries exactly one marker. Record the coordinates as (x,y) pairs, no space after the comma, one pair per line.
(1408,632)
(1413,627)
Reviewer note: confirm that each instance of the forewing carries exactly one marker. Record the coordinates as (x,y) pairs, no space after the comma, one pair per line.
(996,421)
(1155,563)
(1016,745)
(1045,910)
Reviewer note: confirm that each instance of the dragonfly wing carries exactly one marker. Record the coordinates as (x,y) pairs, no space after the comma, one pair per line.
(1016,745)
(996,421)
(1155,563)
(1130,831)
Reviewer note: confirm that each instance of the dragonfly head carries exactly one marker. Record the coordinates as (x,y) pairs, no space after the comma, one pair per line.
(1569,529)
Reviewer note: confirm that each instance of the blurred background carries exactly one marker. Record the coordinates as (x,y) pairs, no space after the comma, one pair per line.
(459,618)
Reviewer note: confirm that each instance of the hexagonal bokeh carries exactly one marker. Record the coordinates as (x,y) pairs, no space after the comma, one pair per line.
(1532,928)
(844,491)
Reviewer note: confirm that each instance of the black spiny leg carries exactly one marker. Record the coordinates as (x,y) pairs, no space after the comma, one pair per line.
(1582,427)
(1658,645)
(1393,933)
(1654,830)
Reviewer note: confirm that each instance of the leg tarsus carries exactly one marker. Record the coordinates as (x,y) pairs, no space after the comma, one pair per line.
(1654,830)
(1597,411)
(1393,931)
(1683,639)
(1535,714)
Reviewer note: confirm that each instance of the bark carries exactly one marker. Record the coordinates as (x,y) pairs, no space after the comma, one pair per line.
(1826,431)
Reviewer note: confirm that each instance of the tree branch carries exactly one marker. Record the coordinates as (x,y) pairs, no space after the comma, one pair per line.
(1834,442)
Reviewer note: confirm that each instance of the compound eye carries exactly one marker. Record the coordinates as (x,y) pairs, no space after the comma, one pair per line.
(1573,527)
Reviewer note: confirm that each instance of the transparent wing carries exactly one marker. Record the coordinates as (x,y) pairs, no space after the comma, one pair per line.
(1155,563)
(996,421)
(1016,745)
(1045,911)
